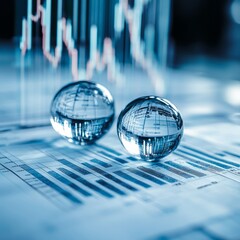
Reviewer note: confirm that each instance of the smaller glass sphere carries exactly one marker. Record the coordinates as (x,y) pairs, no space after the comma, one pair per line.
(82,112)
(150,128)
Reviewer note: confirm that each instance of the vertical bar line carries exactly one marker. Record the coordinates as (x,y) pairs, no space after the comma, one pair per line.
(48,24)
(75,19)
(29,25)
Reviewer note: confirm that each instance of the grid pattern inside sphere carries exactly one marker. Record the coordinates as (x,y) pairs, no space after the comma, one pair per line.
(152,117)
(84,101)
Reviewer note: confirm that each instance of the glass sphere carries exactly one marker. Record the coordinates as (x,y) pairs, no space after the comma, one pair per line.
(150,128)
(82,112)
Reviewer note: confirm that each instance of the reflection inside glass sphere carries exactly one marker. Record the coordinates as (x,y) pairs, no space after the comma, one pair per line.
(82,112)
(150,128)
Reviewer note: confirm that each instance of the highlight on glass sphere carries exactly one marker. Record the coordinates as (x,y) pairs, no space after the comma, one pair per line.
(82,112)
(150,128)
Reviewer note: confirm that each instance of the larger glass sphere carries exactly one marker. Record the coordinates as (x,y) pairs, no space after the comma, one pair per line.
(150,128)
(82,112)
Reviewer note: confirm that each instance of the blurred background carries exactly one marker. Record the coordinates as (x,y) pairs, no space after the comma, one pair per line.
(183,50)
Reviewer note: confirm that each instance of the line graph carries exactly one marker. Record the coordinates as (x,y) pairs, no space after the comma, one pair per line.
(98,60)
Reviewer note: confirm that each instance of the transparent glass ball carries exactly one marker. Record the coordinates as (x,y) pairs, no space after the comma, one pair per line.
(150,128)
(82,112)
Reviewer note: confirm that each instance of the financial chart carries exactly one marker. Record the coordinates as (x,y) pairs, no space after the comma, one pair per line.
(58,42)
(100,186)
(53,189)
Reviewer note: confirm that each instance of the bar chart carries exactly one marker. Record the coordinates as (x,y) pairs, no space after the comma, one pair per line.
(69,177)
